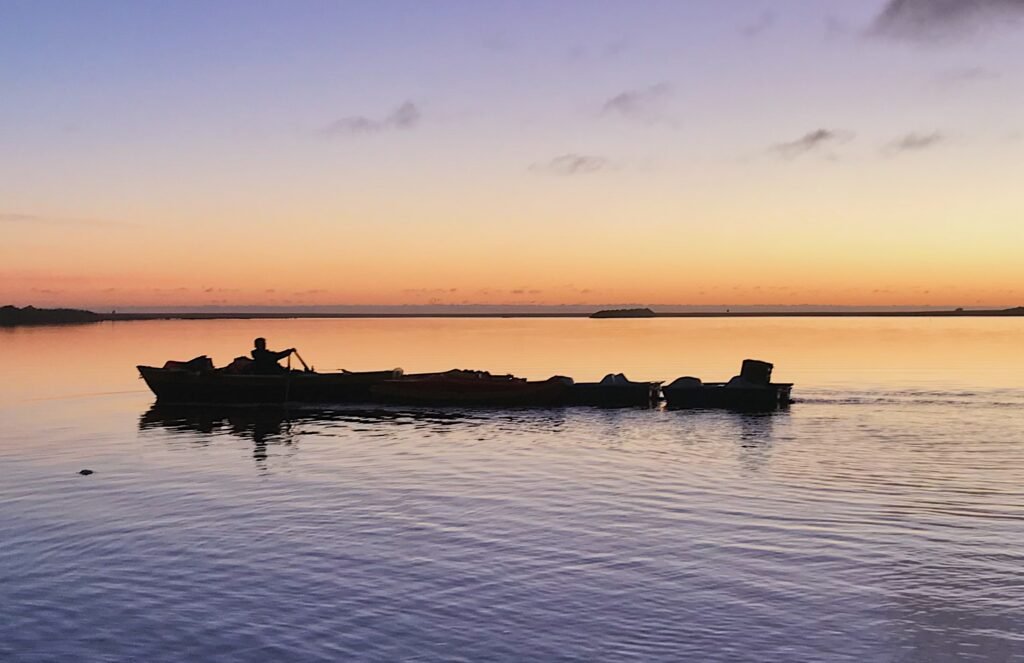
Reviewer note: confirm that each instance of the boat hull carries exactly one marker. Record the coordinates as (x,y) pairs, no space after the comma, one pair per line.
(185,387)
(637,394)
(181,386)
(488,391)
(717,395)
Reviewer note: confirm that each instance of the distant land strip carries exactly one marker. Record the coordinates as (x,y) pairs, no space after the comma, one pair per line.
(11,316)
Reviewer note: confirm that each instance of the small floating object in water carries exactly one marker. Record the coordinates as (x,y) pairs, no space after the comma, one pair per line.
(85,473)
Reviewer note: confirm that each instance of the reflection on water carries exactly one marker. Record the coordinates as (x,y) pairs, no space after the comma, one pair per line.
(284,425)
(879,519)
(263,425)
(257,423)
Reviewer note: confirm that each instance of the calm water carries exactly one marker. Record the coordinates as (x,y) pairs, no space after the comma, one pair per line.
(880,519)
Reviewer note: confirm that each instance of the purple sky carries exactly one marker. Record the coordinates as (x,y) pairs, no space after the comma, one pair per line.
(427,131)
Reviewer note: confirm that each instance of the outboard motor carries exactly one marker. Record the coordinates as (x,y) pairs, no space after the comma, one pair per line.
(756,372)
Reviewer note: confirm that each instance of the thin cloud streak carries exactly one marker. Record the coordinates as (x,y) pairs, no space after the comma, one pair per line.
(646,104)
(914,142)
(966,75)
(406,116)
(810,142)
(14,217)
(762,23)
(572,164)
(37,220)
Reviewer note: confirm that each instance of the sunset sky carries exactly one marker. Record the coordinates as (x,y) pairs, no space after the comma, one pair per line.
(383,152)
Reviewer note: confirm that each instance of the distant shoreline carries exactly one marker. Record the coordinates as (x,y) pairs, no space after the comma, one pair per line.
(1000,313)
(28,316)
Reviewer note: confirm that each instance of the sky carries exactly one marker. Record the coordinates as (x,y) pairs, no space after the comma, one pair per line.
(751,152)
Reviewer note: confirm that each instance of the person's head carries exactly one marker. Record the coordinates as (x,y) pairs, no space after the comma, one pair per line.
(260,343)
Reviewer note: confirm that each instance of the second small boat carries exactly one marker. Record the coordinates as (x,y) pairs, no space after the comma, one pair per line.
(752,389)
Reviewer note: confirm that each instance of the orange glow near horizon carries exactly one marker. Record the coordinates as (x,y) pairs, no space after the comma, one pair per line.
(604,240)
(101,267)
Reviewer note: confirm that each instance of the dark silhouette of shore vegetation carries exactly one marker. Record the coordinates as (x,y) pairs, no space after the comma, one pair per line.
(30,315)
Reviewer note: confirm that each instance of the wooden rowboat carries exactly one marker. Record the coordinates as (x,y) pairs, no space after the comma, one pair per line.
(180,385)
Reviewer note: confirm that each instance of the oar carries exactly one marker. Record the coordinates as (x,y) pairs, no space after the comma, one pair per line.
(287,379)
(299,357)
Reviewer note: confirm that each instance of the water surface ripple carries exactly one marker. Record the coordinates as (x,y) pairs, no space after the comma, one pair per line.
(867,523)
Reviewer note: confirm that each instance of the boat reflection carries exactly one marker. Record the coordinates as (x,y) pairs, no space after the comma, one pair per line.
(755,436)
(286,425)
(256,423)
(262,425)
(754,433)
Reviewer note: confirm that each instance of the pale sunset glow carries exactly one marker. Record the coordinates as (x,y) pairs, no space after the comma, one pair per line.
(818,152)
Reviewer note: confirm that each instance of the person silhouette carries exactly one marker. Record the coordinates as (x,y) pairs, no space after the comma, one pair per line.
(265,361)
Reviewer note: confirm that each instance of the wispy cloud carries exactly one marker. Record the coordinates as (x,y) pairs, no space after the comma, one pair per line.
(606,51)
(762,23)
(810,142)
(936,19)
(645,104)
(42,221)
(837,27)
(424,292)
(965,75)
(497,42)
(406,116)
(914,142)
(572,164)
(14,217)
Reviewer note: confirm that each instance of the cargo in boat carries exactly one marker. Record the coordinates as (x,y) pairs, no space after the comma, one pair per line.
(477,388)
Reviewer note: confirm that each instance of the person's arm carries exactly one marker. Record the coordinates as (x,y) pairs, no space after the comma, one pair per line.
(283,353)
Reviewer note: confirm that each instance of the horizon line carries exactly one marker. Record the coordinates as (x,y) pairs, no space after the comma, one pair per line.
(511,308)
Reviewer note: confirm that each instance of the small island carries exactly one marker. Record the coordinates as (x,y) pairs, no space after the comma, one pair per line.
(625,313)
(11,316)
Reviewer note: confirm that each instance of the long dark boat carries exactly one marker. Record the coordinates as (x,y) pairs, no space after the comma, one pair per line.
(198,382)
(183,385)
